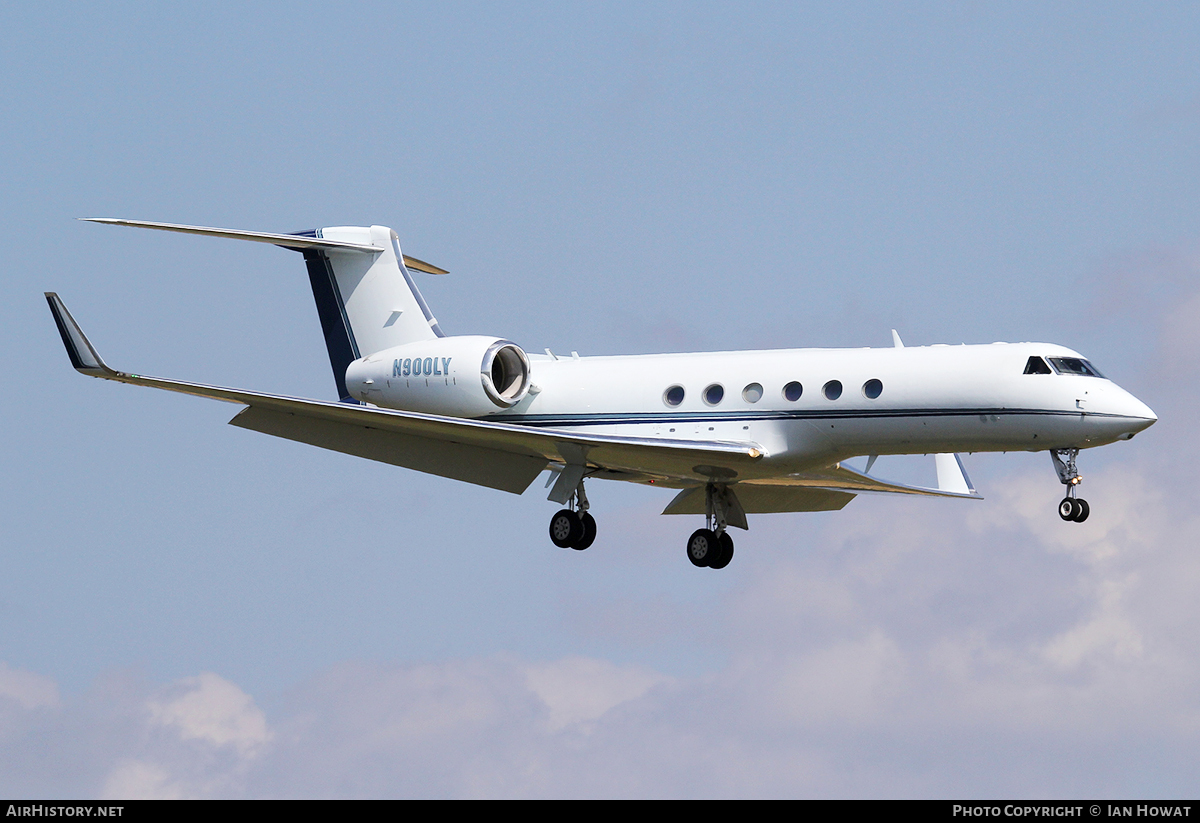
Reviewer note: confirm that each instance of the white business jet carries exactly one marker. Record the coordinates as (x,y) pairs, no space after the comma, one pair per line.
(736,433)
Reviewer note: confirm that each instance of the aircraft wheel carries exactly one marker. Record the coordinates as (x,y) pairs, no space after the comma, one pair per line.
(589,533)
(1082,510)
(725,554)
(1066,509)
(702,547)
(566,529)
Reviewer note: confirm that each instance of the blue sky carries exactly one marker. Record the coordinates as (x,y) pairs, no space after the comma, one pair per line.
(190,609)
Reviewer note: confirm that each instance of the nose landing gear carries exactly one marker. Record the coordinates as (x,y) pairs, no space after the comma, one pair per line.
(1072,508)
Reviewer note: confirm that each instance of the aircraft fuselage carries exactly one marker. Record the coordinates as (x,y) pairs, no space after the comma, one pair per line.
(810,406)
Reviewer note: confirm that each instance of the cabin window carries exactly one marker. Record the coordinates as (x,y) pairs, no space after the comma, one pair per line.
(673,396)
(792,391)
(1036,365)
(714,394)
(833,389)
(1074,365)
(872,388)
(752,393)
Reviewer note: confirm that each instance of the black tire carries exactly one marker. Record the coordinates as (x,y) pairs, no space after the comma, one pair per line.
(726,553)
(589,533)
(702,547)
(566,529)
(1066,509)
(1083,510)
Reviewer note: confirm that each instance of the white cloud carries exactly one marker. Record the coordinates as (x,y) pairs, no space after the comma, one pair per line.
(1109,631)
(578,690)
(137,779)
(211,709)
(28,690)
(983,649)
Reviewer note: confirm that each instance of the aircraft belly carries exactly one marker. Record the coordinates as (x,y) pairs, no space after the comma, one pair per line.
(804,443)
(969,431)
(1099,430)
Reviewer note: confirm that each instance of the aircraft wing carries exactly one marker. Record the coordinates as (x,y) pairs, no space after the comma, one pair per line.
(827,489)
(757,498)
(952,481)
(488,453)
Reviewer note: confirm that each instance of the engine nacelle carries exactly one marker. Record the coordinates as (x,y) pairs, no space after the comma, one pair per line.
(466,376)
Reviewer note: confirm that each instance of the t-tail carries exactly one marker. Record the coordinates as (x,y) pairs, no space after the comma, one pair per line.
(361,282)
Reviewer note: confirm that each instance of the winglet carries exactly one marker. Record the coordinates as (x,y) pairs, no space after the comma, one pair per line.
(83,356)
(896,341)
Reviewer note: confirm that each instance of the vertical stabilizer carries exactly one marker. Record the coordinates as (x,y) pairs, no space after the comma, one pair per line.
(366,302)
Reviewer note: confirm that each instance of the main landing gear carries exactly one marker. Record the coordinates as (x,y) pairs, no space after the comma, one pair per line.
(712,546)
(573,527)
(707,547)
(1072,508)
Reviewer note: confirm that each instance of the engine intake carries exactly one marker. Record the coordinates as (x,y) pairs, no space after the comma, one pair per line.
(505,373)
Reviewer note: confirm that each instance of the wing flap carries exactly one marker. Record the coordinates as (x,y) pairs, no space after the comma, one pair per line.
(472,464)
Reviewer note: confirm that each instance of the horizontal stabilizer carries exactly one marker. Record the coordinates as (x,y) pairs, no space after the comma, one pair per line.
(291,241)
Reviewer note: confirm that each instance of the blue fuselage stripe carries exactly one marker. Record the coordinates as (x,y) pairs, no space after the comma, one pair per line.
(554,420)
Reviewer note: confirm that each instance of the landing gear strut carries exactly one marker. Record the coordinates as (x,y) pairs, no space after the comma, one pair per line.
(573,527)
(1072,507)
(712,546)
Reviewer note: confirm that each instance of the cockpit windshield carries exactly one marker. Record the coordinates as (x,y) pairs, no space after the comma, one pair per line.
(1074,365)
(1036,365)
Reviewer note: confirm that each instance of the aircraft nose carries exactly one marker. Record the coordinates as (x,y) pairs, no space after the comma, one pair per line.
(1138,416)
(1146,413)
